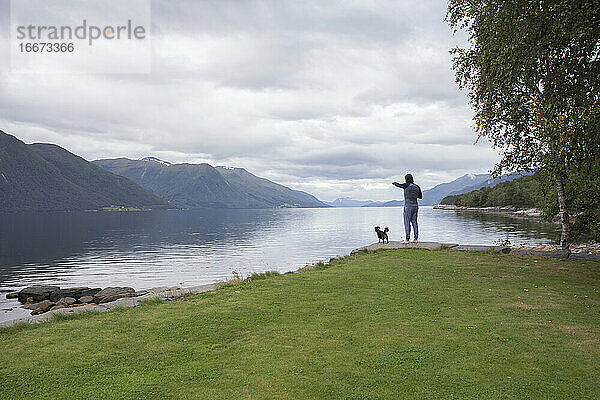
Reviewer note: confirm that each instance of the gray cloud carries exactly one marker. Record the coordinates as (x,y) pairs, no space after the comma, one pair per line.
(336,98)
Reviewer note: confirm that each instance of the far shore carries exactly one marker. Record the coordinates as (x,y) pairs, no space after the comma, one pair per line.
(509,211)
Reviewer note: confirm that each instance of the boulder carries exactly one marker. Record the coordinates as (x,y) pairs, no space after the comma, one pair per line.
(90,292)
(58,306)
(68,301)
(41,307)
(75,293)
(37,292)
(14,295)
(86,299)
(30,305)
(65,302)
(112,293)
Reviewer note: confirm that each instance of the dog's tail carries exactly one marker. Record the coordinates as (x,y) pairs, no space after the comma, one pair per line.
(386,229)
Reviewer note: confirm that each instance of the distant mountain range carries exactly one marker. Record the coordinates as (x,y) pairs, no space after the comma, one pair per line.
(48,177)
(348,202)
(433,196)
(391,203)
(44,177)
(202,185)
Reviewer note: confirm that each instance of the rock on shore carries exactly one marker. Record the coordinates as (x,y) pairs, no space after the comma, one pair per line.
(43,298)
(37,293)
(112,293)
(75,292)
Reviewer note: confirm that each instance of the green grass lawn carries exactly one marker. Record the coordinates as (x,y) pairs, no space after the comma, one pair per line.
(381,325)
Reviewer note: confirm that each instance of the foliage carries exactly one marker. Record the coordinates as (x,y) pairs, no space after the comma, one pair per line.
(533,74)
(522,192)
(387,324)
(582,187)
(449,200)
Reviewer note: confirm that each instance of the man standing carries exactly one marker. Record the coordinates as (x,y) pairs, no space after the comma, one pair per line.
(412,192)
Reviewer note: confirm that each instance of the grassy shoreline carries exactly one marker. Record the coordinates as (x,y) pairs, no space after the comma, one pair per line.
(386,324)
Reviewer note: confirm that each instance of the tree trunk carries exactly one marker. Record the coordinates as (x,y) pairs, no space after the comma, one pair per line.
(563,213)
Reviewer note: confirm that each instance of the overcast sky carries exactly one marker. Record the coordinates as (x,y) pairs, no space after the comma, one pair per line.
(337,98)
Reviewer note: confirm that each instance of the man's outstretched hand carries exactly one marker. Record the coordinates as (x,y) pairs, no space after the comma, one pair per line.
(395,184)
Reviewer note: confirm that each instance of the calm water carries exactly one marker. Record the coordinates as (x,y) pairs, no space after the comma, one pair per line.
(149,249)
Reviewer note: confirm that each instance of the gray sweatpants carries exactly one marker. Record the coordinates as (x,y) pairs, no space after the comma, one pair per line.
(410,218)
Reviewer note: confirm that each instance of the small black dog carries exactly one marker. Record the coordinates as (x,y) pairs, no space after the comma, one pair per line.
(382,234)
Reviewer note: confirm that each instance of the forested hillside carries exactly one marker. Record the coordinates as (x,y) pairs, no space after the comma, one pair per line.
(582,188)
(205,186)
(522,192)
(42,177)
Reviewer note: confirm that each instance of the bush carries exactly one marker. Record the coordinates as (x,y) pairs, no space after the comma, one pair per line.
(262,275)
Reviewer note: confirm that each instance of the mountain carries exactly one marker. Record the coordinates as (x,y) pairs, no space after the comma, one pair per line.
(263,190)
(47,177)
(434,196)
(391,203)
(464,184)
(204,186)
(348,202)
(156,160)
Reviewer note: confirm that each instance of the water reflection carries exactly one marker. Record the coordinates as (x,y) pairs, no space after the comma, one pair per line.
(146,249)
(528,228)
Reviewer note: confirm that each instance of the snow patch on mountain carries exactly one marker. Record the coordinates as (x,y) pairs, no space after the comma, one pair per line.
(156,160)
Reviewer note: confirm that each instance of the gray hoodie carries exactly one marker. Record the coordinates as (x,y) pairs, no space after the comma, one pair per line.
(412,192)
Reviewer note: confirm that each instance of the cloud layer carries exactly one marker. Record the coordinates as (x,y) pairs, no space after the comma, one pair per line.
(336,98)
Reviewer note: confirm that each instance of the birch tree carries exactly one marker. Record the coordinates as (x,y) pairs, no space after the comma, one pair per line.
(532,70)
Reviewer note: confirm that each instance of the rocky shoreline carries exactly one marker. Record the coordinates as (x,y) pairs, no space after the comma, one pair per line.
(43,298)
(579,250)
(102,300)
(588,251)
(528,213)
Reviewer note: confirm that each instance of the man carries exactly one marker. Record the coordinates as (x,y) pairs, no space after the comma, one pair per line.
(412,192)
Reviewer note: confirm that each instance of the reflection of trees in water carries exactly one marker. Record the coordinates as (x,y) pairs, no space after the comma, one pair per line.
(530,227)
